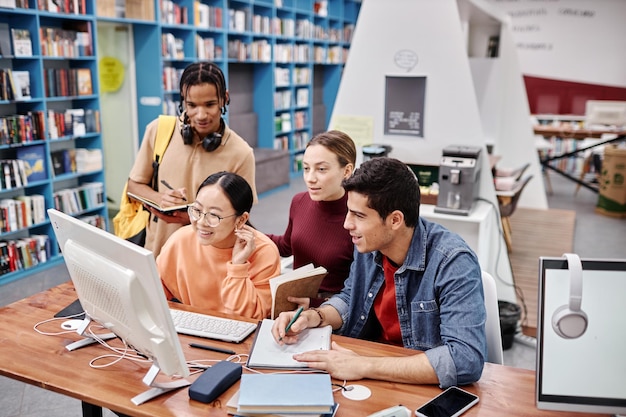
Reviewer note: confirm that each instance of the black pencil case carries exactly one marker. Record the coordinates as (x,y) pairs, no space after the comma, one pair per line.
(214,381)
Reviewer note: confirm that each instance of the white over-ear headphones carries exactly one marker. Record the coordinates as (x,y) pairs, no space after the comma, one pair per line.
(569,321)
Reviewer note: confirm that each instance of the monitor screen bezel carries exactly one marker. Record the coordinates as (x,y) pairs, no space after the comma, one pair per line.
(140,264)
(575,403)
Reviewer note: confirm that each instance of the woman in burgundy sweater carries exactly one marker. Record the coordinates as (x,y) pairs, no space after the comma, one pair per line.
(315,232)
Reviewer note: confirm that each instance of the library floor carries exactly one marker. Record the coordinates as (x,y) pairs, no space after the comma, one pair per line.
(595,236)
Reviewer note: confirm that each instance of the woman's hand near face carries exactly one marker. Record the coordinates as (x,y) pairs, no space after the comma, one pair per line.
(244,245)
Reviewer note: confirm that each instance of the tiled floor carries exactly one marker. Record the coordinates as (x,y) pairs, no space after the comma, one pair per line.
(595,236)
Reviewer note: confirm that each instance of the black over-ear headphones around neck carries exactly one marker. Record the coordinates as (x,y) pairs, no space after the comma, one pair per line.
(210,142)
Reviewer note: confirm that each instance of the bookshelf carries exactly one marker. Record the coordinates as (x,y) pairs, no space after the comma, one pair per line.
(287,44)
(50,141)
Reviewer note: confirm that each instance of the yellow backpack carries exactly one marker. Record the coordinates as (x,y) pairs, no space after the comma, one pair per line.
(130,222)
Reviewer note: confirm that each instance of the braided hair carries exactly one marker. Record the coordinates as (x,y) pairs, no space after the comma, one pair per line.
(202,73)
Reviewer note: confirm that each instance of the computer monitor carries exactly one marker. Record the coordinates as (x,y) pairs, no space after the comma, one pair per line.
(583,373)
(605,113)
(118,286)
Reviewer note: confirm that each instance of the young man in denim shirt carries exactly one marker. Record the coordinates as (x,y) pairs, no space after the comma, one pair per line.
(412,283)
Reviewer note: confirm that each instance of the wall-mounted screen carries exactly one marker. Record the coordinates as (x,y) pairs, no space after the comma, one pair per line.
(404,105)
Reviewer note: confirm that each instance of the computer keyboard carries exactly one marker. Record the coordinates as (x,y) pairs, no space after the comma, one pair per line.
(202,325)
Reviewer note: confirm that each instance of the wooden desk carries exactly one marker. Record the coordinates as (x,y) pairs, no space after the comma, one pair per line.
(565,131)
(43,361)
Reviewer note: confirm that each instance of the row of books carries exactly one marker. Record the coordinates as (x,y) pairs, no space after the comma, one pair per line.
(68,43)
(173,13)
(299,141)
(71,122)
(21,212)
(206,16)
(171,78)
(301,75)
(300,119)
(20,128)
(282,99)
(297,162)
(282,123)
(22,4)
(330,55)
(285,52)
(29,127)
(305,29)
(172,47)
(66,161)
(19,254)
(282,76)
(14,85)
(255,51)
(96,220)
(259,50)
(241,20)
(170,106)
(75,200)
(63,6)
(573,164)
(207,50)
(281,143)
(67,82)
(328,34)
(261,24)
(13,174)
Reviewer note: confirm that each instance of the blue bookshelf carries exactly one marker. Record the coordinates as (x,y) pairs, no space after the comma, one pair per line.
(294,37)
(51,114)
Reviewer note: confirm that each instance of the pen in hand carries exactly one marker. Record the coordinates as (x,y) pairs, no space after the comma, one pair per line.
(293,320)
(170,187)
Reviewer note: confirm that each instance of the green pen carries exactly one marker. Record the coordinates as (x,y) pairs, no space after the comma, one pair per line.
(293,320)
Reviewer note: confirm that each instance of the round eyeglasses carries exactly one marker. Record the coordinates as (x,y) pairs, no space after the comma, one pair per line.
(210,219)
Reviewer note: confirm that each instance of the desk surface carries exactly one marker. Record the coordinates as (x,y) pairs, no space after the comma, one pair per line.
(43,361)
(566,132)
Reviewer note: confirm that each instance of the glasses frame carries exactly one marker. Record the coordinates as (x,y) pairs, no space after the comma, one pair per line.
(203,216)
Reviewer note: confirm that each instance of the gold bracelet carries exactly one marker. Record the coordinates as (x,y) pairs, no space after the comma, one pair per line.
(319,313)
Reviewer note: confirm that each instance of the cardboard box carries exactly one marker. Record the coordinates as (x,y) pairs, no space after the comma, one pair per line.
(140,9)
(612,194)
(105,8)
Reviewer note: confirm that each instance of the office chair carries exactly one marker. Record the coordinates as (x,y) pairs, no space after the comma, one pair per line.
(515,173)
(508,204)
(492,325)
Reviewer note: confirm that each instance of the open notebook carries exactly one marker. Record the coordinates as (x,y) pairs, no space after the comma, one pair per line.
(266,353)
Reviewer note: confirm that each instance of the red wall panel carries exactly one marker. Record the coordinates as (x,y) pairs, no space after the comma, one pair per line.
(547,96)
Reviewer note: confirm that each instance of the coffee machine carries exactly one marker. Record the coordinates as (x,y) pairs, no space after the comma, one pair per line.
(459,175)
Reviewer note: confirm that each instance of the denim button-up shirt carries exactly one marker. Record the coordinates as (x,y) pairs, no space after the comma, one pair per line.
(439,297)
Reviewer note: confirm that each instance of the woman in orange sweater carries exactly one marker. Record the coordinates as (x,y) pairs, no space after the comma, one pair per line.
(220,262)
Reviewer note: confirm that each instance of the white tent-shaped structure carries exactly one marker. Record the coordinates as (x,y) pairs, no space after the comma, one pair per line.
(426,38)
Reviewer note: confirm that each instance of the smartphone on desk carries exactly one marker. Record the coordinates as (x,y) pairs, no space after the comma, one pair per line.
(451,403)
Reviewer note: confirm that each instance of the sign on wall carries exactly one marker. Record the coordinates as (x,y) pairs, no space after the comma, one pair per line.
(404,105)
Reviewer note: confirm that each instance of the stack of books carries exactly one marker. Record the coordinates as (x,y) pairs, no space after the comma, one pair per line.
(274,395)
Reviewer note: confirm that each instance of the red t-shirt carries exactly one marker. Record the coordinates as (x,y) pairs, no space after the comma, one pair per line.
(385,306)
